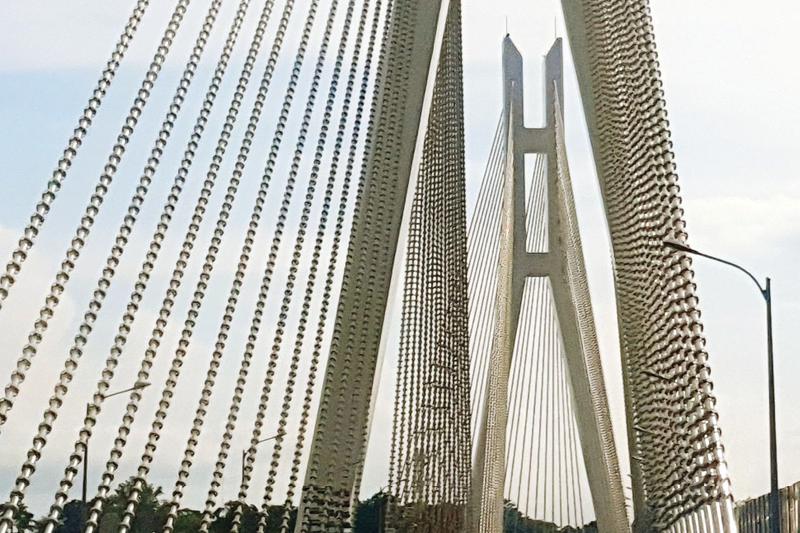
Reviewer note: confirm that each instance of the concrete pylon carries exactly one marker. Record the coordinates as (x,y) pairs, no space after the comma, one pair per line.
(563,264)
(373,266)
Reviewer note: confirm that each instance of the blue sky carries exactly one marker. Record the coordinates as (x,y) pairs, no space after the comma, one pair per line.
(732,96)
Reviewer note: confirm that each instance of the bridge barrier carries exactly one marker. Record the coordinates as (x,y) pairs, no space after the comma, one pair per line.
(753,514)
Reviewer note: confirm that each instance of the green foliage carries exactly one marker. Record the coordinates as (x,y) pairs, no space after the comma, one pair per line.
(72,518)
(151,515)
(369,514)
(24,519)
(152,511)
(223,519)
(188,520)
(515,522)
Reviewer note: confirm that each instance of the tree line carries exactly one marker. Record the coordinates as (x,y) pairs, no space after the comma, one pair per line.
(153,509)
(151,515)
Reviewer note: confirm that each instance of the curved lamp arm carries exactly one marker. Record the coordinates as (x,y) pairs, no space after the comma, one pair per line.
(675,245)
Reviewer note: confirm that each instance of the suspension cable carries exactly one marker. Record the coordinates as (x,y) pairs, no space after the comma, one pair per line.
(143,469)
(187,246)
(143,277)
(91,211)
(332,261)
(61,388)
(276,239)
(275,352)
(25,243)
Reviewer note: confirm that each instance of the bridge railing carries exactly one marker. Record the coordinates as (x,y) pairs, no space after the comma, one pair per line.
(753,515)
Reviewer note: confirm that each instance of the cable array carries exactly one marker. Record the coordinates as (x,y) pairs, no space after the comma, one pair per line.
(276,240)
(345,191)
(331,470)
(483,248)
(677,458)
(410,151)
(95,305)
(298,345)
(92,210)
(157,240)
(26,242)
(545,478)
(201,410)
(187,246)
(253,225)
(577,279)
(431,453)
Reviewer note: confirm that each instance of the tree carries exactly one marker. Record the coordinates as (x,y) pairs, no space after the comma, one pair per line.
(516,522)
(188,521)
(369,514)
(223,518)
(150,515)
(72,518)
(23,520)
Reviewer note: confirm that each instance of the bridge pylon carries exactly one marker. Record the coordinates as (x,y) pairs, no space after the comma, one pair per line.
(563,264)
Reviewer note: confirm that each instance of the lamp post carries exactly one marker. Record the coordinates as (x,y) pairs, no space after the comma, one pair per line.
(136,386)
(766,293)
(245,451)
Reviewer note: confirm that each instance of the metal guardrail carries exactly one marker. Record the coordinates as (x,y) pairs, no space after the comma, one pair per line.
(753,515)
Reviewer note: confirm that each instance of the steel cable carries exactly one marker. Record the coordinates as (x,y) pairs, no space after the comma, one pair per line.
(534,387)
(679,470)
(165,311)
(189,155)
(536,217)
(186,463)
(516,382)
(189,452)
(516,379)
(482,230)
(333,259)
(482,313)
(31,231)
(276,240)
(376,216)
(61,389)
(431,425)
(87,220)
(311,496)
(150,448)
(144,274)
(255,326)
(332,174)
(324,503)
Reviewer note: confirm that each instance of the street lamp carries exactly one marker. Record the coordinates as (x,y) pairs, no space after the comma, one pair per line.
(245,450)
(136,386)
(766,293)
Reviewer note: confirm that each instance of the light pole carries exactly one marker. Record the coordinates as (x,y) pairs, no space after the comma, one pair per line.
(766,292)
(245,450)
(136,386)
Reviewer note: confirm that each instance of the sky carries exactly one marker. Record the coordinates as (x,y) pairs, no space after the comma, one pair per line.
(731,92)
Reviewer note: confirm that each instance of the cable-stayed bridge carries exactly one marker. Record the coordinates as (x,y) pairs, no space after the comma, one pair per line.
(320,186)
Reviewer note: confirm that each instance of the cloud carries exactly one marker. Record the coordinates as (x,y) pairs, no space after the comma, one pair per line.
(730,95)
